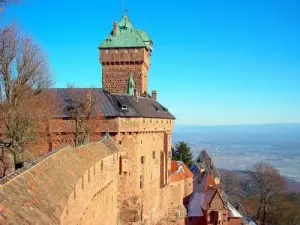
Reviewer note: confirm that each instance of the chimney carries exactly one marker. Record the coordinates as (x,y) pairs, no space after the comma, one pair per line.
(154,95)
(115,28)
(136,93)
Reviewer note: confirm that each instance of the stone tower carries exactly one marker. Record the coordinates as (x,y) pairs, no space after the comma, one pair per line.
(125,51)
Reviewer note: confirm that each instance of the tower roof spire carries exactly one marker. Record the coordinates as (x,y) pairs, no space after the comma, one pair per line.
(124,35)
(130,85)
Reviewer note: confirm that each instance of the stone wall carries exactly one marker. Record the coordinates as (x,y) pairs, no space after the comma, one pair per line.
(188,189)
(117,64)
(70,186)
(144,124)
(141,176)
(94,198)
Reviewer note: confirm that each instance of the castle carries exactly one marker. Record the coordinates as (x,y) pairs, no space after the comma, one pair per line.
(126,175)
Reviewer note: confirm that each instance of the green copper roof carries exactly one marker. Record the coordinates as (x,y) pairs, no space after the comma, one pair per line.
(127,36)
(130,85)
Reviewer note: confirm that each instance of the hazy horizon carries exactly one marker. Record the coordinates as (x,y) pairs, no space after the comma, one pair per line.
(239,147)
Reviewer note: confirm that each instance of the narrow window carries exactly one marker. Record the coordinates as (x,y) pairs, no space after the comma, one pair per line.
(143,159)
(102,165)
(106,51)
(141,182)
(153,154)
(120,142)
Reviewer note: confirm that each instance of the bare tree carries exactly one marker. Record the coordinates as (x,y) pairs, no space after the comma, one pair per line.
(24,75)
(268,184)
(81,107)
(4,3)
(230,184)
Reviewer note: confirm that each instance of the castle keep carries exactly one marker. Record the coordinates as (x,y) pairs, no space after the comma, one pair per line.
(134,176)
(125,51)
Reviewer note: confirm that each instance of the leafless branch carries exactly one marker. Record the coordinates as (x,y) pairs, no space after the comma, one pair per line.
(24,75)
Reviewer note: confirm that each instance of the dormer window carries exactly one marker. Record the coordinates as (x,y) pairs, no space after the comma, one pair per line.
(123,107)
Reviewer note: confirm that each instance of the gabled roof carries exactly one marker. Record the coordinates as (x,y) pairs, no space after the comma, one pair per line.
(205,180)
(127,36)
(233,213)
(204,161)
(215,193)
(179,171)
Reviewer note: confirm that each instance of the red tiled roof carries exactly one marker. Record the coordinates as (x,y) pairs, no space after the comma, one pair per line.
(187,171)
(177,177)
(179,173)
(174,166)
(210,182)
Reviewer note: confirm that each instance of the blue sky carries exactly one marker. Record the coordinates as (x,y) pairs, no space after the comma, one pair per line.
(214,62)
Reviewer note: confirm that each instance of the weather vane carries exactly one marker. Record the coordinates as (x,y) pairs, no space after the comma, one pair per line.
(124,11)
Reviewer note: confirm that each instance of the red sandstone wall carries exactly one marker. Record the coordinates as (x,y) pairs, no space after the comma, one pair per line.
(188,189)
(235,221)
(117,64)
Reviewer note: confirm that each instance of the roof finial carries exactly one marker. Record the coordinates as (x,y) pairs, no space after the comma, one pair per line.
(124,11)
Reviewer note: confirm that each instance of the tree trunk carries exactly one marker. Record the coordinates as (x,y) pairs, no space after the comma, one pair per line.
(263,221)
(258,211)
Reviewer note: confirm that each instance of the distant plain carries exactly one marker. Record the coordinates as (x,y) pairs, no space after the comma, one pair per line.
(239,147)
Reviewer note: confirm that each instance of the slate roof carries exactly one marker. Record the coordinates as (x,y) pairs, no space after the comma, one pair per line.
(203,160)
(112,105)
(127,36)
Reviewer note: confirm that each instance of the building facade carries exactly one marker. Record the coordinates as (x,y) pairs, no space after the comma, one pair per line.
(146,191)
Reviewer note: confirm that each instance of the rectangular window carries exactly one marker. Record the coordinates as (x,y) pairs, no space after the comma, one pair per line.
(136,50)
(143,159)
(141,182)
(153,154)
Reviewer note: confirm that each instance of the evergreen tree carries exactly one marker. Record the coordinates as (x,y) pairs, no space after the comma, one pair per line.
(182,152)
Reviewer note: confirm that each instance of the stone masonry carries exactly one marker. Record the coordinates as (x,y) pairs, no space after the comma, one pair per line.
(131,185)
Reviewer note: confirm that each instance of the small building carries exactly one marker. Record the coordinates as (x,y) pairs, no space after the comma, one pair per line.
(181,173)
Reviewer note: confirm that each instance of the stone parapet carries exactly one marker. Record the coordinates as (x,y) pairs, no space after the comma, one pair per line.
(68,186)
(144,124)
